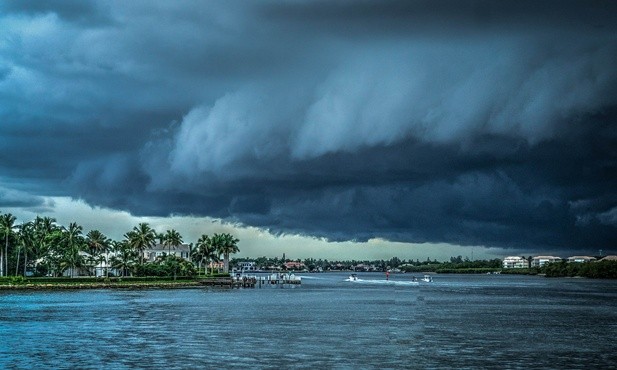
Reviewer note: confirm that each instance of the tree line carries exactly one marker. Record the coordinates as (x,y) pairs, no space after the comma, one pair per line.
(596,269)
(42,247)
(428,265)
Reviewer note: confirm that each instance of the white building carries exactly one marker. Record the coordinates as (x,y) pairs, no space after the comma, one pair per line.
(159,250)
(581,259)
(515,262)
(540,261)
(247,266)
(91,266)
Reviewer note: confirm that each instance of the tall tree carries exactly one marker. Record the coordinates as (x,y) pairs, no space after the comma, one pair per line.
(124,257)
(44,228)
(26,239)
(205,251)
(7,224)
(140,238)
(172,239)
(225,244)
(98,244)
(72,242)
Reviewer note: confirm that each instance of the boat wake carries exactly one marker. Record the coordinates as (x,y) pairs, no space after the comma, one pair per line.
(312,278)
(382,282)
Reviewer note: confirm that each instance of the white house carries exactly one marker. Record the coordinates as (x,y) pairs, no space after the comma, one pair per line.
(247,266)
(515,262)
(91,266)
(581,259)
(159,250)
(540,261)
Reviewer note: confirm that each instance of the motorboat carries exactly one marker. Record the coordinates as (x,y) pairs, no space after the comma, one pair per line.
(353,277)
(427,279)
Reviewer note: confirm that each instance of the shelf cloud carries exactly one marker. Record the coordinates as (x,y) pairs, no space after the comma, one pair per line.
(470,123)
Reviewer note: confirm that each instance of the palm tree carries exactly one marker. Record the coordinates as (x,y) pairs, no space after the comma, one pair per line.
(205,251)
(72,243)
(197,254)
(140,238)
(172,239)
(124,257)
(44,227)
(26,239)
(7,224)
(98,243)
(53,258)
(225,244)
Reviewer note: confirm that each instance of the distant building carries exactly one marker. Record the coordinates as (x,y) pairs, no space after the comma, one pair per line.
(292,265)
(92,266)
(581,259)
(515,262)
(159,250)
(540,261)
(246,266)
(609,258)
(363,267)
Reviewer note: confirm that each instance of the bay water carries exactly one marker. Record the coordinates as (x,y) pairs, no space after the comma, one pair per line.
(455,322)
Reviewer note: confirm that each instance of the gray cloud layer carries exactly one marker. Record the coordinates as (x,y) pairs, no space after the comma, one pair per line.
(470,123)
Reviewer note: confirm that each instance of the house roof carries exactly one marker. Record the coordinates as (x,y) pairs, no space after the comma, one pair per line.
(293,263)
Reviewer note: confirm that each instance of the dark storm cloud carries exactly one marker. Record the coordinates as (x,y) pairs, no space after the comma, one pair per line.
(489,123)
(10,198)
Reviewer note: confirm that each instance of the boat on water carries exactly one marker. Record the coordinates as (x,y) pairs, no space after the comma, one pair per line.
(353,277)
(427,279)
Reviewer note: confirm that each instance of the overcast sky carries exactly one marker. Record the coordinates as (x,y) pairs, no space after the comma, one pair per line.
(369,128)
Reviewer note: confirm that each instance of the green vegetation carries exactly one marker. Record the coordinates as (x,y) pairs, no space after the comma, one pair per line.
(529,271)
(457,265)
(466,270)
(19,282)
(600,269)
(41,249)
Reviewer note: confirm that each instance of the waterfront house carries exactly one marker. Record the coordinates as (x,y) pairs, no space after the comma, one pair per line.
(540,261)
(160,250)
(245,266)
(515,262)
(91,266)
(581,259)
(293,265)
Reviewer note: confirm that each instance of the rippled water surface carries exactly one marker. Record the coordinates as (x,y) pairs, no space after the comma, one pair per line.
(458,321)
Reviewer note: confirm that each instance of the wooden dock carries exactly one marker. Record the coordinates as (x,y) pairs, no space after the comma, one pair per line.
(252,281)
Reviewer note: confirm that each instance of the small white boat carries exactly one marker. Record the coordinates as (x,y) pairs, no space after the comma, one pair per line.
(353,277)
(427,279)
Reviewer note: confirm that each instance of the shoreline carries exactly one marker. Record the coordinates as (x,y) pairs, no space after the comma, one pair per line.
(62,286)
